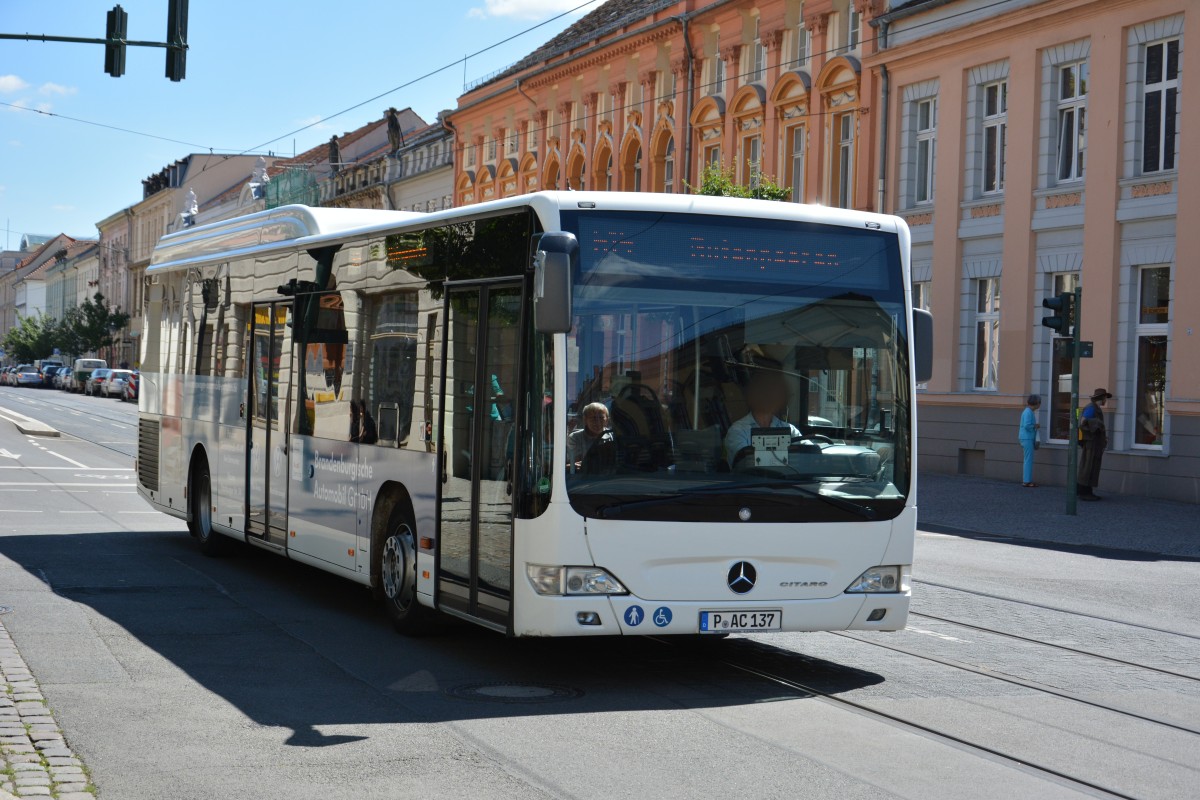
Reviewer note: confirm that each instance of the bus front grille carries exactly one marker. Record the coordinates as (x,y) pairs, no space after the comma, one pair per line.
(147,462)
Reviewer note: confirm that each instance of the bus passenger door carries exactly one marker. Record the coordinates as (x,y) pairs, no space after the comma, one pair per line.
(270,363)
(480,386)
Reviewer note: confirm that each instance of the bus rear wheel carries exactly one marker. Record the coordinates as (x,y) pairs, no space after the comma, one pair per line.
(394,577)
(200,518)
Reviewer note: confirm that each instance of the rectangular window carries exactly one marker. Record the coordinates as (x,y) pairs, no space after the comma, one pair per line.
(845,160)
(1154,307)
(926,144)
(803,45)
(669,168)
(853,29)
(530,136)
(987,332)
(920,299)
(752,152)
(718,75)
(712,156)
(758,57)
(491,150)
(1160,106)
(1072,120)
(1060,367)
(995,135)
(796,138)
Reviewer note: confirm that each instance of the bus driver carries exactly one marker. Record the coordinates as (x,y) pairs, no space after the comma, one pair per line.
(766,395)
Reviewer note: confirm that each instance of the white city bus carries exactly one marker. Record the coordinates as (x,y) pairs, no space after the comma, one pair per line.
(388,396)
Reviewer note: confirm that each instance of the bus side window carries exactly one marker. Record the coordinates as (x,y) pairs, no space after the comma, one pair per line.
(391,368)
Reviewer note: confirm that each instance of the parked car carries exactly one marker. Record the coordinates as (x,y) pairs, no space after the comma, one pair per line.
(94,385)
(82,369)
(60,377)
(114,386)
(48,368)
(28,375)
(131,387)
(5,376)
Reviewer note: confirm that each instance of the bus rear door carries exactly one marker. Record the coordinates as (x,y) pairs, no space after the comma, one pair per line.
(267,416)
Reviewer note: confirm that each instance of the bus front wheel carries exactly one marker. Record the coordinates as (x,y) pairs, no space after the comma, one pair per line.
(200,518)
(394,576)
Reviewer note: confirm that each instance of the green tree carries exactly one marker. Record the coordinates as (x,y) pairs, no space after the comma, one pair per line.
(32,338)
(719,181)
(94,324)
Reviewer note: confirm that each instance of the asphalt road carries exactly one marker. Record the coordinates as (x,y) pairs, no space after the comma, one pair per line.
(1027,671)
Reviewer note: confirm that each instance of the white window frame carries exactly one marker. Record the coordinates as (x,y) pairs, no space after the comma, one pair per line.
(986,357)
(797,137)
(758,56)
(803,46)
(925,149)
(853,28)
(1070,142)
(844,159)
(752,160)
(995,136)
(491,149)
(1165,87)
(669,168)
(1145,330)
(530,136)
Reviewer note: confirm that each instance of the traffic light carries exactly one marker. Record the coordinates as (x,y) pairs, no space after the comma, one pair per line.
(114,41)
(1063,306)
(177,14)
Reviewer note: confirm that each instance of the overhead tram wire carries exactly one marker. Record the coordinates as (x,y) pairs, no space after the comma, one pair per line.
(257,148)
(425,76)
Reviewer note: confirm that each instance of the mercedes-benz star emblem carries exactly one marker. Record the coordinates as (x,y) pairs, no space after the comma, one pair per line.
(741,577)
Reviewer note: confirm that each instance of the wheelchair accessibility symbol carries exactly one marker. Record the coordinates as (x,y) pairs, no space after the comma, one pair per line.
(662,617)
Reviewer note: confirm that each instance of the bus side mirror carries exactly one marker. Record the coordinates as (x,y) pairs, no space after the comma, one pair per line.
(922,336)
(553,264)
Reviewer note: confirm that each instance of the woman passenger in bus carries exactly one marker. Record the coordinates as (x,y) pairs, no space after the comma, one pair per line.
(595,430)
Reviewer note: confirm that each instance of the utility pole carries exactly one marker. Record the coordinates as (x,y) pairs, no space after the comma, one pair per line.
(1065,321)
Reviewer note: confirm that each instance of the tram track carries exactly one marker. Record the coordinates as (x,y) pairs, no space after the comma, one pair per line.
(929,732)
(1058,609)
(1056,646)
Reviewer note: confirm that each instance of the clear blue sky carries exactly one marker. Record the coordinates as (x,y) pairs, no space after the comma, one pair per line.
(256,70)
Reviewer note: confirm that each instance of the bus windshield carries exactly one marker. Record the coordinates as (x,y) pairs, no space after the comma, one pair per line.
(735,369)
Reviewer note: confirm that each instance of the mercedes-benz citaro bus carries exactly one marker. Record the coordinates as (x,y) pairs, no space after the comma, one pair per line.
(560,414)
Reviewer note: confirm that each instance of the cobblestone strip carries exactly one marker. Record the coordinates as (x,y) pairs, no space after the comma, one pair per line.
(34,758)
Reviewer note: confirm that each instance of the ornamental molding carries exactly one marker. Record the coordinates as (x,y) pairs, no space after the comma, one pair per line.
(604,55)
(990,210)
(1064,200)
(1150,189)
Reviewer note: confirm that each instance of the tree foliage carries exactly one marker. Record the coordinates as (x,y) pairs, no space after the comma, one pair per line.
(95,324)
(84,329)
(33,337)
(719,181)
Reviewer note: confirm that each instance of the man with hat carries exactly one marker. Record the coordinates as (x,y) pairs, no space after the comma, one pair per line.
(1093,438)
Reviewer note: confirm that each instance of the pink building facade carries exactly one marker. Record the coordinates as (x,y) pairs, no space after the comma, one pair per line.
(638,96)
(1035,146)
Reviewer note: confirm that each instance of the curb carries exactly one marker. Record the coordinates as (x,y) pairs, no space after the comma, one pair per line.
(33,750)
(33,428)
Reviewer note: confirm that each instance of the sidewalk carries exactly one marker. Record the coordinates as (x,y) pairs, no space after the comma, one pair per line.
(960,503)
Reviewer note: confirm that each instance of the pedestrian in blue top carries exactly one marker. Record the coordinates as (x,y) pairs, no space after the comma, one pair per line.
(1028,436)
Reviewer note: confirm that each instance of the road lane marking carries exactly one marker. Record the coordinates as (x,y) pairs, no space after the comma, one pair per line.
(90,469)
(68,460)
(49,484)
(937,635)
(20,511)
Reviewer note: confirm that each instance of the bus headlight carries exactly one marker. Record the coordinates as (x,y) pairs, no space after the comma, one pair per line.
(555,580)
(880,580)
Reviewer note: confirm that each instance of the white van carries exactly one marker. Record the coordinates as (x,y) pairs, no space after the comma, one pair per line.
(82,369)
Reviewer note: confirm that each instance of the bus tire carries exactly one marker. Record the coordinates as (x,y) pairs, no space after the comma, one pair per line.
(200,511)
(394,575)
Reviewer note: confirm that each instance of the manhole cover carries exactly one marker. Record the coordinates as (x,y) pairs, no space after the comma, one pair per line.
(500,692)
(6,609)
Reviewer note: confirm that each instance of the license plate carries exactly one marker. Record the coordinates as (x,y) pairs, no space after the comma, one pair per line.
(741,621)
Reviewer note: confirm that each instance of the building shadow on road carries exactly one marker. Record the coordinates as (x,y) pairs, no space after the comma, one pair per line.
(297,648)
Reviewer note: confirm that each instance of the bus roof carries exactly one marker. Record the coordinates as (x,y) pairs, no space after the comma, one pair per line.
(296,227)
